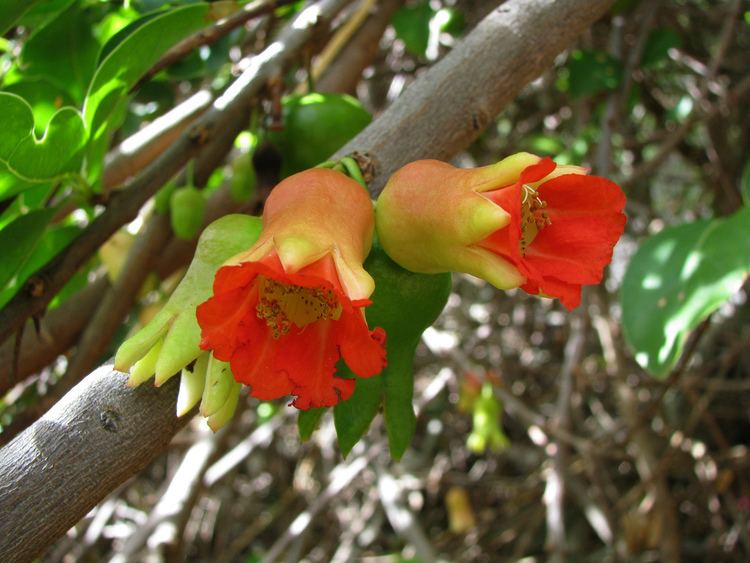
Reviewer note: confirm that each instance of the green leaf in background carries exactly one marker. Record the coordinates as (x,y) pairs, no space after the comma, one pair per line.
(451,20)
(11,11)
(307,422)
(10,184)
(18,123)
(658,45)
(745,183)
(543,145)
(63,52)
(58,152)
(44,97)
(44,12)
(18,240)
(676,279)
(412,26)
(130,60)
(51,244)
(591,72)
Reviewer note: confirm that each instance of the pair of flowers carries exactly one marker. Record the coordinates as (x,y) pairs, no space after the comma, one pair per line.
(286,310)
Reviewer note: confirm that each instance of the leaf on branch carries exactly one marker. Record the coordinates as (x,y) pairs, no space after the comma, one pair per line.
(676,279)
(144,42)
(57,153)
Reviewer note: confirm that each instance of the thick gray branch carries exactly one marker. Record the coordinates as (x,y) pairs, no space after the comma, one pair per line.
(449,106)
(99,435)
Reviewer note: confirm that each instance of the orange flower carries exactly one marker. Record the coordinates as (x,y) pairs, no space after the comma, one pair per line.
(285,311)
(522,222)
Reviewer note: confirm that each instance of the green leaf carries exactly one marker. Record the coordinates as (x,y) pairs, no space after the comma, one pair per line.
(745,183)
(10,184)
(63,52)
(51,244)
(353,417)
(44,97)
(44,12)
(592,72)
(11,11)
(134,55)
(676,279)
(657,47)
(58,152)
(412,26)
(308,421)
(18,241)
(398,383)
(404,304)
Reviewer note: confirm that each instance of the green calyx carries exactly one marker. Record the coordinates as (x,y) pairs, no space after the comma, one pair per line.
(170,341)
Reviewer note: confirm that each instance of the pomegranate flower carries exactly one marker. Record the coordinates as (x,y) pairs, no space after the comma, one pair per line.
(286,310)
(522,222)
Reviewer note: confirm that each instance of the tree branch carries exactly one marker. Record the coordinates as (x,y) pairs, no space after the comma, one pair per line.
(212,34)
(449,106)
(99,435)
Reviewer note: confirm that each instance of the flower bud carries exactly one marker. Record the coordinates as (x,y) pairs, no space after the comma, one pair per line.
(522,222)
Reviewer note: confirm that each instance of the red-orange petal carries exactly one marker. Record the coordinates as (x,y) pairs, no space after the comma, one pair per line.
(301,362)
(363,350)
(309,359)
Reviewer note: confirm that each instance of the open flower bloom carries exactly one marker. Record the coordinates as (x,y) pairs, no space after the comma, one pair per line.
(286,310)
(522,222)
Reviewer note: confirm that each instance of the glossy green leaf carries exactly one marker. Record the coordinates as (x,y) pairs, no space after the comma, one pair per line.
(58,152)
(353,417)
(592,72)
(44,97)
(676,279)
(63,52)
(11,11)
(10,184)
(49,246)
(404,304)
(134,55)
(307,422)
(18,240)
(44,12)
(398,383)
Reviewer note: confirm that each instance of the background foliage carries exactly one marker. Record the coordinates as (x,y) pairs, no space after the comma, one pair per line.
(635,405)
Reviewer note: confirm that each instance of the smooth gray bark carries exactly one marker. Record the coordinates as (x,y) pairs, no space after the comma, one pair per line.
(451,104)
(96,437)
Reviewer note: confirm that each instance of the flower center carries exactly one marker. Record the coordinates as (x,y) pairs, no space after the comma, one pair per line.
(281,305)
(533,216)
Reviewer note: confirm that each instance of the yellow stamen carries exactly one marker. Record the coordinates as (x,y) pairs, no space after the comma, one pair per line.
(533,216)
(281,305)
